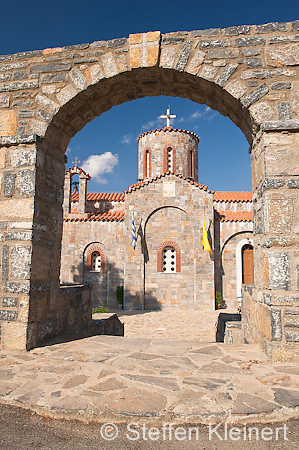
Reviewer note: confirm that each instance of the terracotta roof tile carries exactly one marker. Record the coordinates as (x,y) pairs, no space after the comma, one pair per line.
(235,216)
(228,196)
(109,216)
(170,129)
(140,184)
(103,196)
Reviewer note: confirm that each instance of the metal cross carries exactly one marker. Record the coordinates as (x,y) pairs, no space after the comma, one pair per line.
(76,162)
(168,116)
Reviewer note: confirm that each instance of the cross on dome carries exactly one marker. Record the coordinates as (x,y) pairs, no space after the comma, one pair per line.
(168,116)
(76,162)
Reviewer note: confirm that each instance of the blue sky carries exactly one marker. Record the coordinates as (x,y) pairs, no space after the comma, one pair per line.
(224,162)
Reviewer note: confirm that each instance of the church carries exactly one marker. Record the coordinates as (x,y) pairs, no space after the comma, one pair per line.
(167,241)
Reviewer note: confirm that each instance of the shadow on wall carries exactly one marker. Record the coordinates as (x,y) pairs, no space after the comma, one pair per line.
(104,285)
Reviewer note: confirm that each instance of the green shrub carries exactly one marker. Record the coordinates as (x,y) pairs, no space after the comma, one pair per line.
(99,309)
(218,298)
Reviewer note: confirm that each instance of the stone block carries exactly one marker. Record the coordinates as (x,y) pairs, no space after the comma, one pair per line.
(14,335)
(78,79)
(117,43)
(10,302)
(184,55)
(272,27)
(17,209)
(281,85)
(284,110)
(53,78)
(26,182)
(249,41)
(50,67)
(9,184)
(110,65)
(213,44)
(210,32)
(235,31)
(20,262)
(166,40)
(236,88)
(167,58)
(94,74)
(276,324)
(8,123)
(5,262)
(280,213)
(21,156)
(17,288)
(253,62)
(280,270)
(18,86)
(226,74)
(66,94)
(255,95)
(291,335)
(262,111)
(208,72)
(223,53)
(283,56)
(6,314)
(47,103)
(44,115)
(4,101)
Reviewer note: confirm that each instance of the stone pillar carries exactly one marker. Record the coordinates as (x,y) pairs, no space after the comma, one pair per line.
(82,193)
(32,177)
(67,193)
(271,310)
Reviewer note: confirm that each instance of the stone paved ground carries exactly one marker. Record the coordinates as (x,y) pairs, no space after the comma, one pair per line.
(183,378)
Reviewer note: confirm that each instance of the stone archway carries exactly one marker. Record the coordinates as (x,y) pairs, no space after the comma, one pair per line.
(248,73)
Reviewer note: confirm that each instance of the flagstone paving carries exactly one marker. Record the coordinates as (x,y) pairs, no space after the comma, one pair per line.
(166,368)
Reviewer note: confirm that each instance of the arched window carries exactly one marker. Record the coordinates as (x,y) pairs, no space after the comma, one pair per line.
(191,164)
(96,262)
(94,258)
(169,258)
(147,163)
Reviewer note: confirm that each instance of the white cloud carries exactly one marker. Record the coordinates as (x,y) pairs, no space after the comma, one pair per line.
(68,150)
(98,165)
(127,139)
(151,124)
(196,115)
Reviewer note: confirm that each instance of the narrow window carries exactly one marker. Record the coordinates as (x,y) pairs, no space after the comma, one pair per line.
(169,260)
(191,164)
(96,262)
(169,159)
(147,174)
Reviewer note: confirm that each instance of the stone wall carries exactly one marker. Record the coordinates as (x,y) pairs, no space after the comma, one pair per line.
(171,210)
(75,311)
(77,237)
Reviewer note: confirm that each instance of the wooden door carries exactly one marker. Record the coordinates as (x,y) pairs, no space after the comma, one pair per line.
(247,264)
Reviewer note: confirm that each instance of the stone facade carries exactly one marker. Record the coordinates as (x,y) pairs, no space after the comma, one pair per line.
(248,73)
(168,212)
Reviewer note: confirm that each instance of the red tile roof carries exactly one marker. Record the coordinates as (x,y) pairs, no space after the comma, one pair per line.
(226,196)
(170,129)
(109,216)
(103,196)
(235,216)
(140,184)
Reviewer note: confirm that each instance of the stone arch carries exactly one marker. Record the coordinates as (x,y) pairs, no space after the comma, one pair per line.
(255,86)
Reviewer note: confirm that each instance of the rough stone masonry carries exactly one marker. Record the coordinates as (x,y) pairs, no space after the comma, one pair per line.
(248,73)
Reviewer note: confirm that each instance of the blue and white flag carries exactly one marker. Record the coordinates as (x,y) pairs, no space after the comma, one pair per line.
(134,235)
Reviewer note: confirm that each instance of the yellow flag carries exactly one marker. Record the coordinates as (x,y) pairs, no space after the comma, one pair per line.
(205,240)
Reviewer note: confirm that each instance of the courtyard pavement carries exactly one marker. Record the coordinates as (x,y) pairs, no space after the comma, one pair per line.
(166,368)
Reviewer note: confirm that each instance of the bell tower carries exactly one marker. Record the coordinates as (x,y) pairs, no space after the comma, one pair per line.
(168,150)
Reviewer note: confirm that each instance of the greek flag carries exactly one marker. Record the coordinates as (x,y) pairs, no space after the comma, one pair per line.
(134,235)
